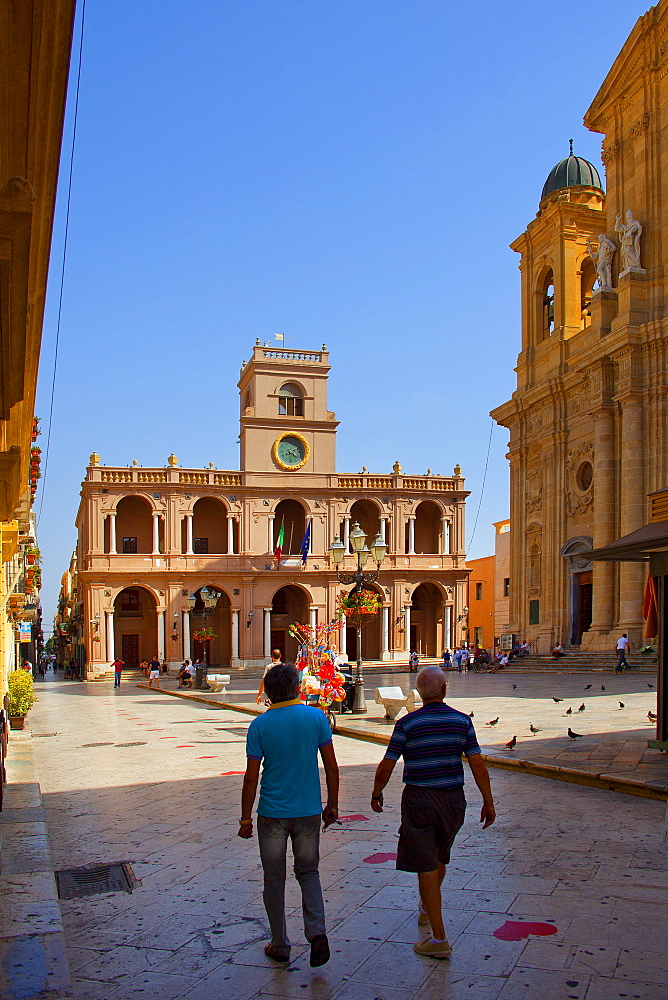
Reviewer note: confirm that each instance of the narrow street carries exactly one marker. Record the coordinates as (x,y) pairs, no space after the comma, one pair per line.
(128,776)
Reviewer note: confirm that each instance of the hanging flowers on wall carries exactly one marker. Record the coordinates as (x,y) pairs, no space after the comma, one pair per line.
(204,635)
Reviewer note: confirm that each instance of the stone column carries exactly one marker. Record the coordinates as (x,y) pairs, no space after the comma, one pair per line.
(445,536)
(309,524)
(313,617)
(189,534)
(230,534)
(411,535)
(235,633)
(161,635)
(111,652)
(447,626)
(346,533)
(385,632)
(633,505)
(270,543)
(112,534)
(604,518)
(267,632)
(186,635)
(343,636)
(383,529)
(407,628)
(156,535)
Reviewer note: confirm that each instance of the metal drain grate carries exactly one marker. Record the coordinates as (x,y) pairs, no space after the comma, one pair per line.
(96,745)
(75,882)
(233,730)
(140,743)
(42,736)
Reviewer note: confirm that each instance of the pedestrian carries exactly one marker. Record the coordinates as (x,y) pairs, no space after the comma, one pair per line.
(143,666)
(276,658)
(557,651)
(501,663)
(286,740)
(118,665)
(154,672)
(432,740)
(447,659)
(413,661)
(184,677)
(164,668)
(623,647)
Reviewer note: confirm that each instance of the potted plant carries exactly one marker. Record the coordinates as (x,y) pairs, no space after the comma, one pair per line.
(21,697)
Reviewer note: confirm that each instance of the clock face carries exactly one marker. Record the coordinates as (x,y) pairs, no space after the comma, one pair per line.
(290,451)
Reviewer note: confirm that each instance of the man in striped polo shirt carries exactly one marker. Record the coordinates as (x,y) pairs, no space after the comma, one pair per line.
(432,741)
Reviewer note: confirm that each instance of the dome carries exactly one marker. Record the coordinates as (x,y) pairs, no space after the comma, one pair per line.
(572,171)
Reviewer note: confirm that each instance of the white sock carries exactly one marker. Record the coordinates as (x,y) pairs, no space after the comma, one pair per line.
(438,940)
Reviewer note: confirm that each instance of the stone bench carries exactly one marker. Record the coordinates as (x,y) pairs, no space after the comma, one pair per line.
(218,682)
(393,700)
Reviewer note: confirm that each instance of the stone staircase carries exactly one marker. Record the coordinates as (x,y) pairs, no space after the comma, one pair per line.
(577,661)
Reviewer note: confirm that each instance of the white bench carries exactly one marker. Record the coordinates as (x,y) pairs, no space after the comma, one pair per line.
(218,682)
(393,700)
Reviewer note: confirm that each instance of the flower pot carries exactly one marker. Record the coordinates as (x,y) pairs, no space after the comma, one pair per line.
(17,721)
(31,559)
(359,611)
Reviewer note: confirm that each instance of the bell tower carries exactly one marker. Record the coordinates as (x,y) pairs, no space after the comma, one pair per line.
(285,425)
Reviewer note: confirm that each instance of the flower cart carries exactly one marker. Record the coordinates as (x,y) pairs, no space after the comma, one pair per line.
(321,682)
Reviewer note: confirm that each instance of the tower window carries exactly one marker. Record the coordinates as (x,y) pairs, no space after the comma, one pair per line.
(548,305)
(478,591)
(290,400)
(506,586)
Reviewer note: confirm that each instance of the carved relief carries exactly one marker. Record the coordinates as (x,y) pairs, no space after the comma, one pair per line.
(580,400)
(580,479)
(534,491)
(640,126)
(609,153)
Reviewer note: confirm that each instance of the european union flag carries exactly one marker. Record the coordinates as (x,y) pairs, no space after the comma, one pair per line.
(306,543)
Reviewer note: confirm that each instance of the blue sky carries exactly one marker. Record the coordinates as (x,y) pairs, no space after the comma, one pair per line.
(339,171)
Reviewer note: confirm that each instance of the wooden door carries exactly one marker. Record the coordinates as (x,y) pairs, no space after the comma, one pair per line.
(130,650)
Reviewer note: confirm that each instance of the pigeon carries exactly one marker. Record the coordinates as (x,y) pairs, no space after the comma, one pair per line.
(621,704)
(556,700)
(515,685)
(493,722)
(534,729)
(602,687)
(651,686)
(588,686)
(568,711)
(574,736)
(582,707)
(471,715)
(652,717)
(511,743)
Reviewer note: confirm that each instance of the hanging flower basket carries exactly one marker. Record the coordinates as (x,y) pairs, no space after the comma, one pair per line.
(365,602)
(204,635)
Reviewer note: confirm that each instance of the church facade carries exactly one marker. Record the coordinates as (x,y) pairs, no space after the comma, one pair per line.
(150,540)
(588,420)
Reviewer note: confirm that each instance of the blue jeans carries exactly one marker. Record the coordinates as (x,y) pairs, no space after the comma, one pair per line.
(117,679)
(304,833)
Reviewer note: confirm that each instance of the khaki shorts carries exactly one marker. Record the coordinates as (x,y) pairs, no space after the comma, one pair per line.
(430,821)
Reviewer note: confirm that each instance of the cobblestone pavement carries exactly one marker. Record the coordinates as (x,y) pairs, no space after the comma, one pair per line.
(131,776)
(614,739)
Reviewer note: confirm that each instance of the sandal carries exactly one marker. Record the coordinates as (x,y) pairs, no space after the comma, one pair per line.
(276,955)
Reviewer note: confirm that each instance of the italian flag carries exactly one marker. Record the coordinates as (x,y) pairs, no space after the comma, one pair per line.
(279,542)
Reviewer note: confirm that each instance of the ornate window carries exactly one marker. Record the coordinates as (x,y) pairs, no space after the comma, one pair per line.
(131,603)
(200,546)
(130,545)
(290,400)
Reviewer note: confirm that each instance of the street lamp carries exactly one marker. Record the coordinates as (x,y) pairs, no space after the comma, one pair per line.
(378,551)
(209,599)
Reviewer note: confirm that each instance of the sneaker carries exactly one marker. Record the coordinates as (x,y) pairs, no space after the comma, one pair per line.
(433,949)
(423,919)
(319,950)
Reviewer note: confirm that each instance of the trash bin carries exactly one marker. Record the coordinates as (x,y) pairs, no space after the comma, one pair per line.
(200,677)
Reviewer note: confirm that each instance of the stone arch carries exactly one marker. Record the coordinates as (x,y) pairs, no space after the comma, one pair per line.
(289,606)
(427,602)
(544,302)
(371,632)
(218,651)
(428,515)
(135,625)
(291,397)
(209,516)
(587,276)
(134,525)
(367,513)
(292,515)
(580,585)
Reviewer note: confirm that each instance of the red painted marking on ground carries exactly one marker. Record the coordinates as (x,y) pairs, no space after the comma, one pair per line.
(160,731)
(223,774)
(211,756)
(352,819)
(515,930)
(168,737)
(379,859)
(184,746)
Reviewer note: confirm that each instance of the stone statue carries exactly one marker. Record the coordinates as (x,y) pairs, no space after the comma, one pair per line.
(629,238)
(603,259)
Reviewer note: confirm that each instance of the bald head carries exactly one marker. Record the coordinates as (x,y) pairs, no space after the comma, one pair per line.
(431,683)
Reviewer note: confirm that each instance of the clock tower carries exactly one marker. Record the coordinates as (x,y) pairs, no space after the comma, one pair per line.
(285,425)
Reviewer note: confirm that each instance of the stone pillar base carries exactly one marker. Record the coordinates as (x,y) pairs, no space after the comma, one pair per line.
(597,641)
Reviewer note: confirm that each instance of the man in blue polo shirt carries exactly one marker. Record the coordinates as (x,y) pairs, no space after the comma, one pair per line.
(286,740)
(432,741)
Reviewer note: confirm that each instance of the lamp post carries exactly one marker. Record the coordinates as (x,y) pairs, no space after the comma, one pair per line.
(209,599)
(378,551)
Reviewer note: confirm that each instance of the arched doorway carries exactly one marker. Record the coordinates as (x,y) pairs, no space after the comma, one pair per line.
(209,527)
(217,651)
(290,605)
(291,516)
(427,528)
(135,626)
(426,613)
(134,526)
(367,515)
(371,634)
(580,588)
